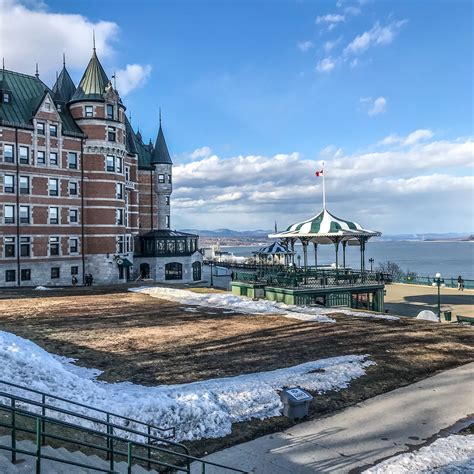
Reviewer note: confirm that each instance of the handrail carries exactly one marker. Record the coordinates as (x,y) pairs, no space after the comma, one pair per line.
(100,410)
(110,437)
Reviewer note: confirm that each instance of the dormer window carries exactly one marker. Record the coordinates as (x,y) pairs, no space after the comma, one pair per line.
(6,97)
(47,105)
(111,134)
(89,111)
(53,130)
(110,111)
(59,107)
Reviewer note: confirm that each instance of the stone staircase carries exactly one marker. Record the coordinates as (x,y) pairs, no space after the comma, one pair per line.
(27,464)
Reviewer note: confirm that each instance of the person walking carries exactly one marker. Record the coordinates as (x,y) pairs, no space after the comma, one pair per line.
(74,280)
(460,283)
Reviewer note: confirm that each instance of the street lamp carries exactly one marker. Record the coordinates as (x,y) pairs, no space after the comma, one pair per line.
(211,264)
(371,260)
(439,282)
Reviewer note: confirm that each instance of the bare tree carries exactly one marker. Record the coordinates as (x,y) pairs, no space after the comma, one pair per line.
(392,269)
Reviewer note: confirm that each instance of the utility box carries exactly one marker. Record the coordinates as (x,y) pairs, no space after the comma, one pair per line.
(447,315)
(296,402)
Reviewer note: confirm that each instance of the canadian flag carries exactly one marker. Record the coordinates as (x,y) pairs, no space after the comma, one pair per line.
(319,173)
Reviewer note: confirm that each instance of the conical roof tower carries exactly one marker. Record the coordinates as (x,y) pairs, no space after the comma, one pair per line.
(64,87)
(160,152)
(93,83)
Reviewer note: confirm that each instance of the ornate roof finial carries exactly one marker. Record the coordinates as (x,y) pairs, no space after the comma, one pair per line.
(37,72)
(93,40)
(57,75)
(3,64)
(130,117)
(64,59)
(114,77)
(160,116)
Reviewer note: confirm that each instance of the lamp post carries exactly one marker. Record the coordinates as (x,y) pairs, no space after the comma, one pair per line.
(371,261)
(211,264)
(439,282)
(299,261)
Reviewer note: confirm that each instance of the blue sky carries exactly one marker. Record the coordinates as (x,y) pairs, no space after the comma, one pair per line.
(356,83)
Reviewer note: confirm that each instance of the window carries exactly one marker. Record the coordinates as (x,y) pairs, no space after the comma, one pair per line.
(127,173)
(168,222)
(73,216)
(59,107)
(40,128)
(72,188)
(40,158)
(53,158)
(9,245)
(161,178)
(173,271)
(111,134)
(119,216)
(53,130)
(25,246)
(75,270)
(53,215)
(110,111)
(47,105)
(9,214)
(24,185)
(169,179)
(167,200)
(25,274)
(72,160)
(10,275)
(54,272)
(89,111)
(120,244)
(24,214)
(8,154)
(119,164)
(53,186)
(119,190)
(73,245)
(23,152)
(9,183)
(54,246)
(6,97)
(128,242)
(110,163)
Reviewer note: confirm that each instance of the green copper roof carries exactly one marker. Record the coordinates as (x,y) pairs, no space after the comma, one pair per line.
(93,82)
(64,87)
(160,152)
(27,93)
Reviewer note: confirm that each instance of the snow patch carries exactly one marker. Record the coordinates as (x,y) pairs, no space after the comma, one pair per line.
(42,288)
(246,305)
(446,455)
(204,409)
(427,315)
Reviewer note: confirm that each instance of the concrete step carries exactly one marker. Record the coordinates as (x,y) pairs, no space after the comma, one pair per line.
(26,464)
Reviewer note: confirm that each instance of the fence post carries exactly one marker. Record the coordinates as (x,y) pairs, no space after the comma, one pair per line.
(38,445)
(203,470)
(149,449)
(108,438)
(43,422)
(129,457)
(110,444)
(13,431)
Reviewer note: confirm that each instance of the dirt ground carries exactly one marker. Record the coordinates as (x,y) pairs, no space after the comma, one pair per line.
(148,341)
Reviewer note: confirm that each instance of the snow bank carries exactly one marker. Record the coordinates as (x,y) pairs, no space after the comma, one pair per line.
(446,455)
(427,315)
(246,305)
(42,288)
(198,410)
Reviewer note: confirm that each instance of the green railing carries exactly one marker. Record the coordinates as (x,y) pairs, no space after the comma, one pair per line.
(41,423)
(428,280)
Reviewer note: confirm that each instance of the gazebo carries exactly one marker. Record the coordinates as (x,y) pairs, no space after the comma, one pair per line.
(326,228)
(276,251)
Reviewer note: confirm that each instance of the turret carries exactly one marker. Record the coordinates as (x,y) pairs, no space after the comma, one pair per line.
(161,161)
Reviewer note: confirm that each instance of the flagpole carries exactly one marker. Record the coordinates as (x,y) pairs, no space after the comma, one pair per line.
(324,189)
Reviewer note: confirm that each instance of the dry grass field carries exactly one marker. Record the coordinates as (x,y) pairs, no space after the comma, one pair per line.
(148,341)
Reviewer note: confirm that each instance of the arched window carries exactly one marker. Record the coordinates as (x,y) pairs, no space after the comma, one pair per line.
(173,271)
(196,271)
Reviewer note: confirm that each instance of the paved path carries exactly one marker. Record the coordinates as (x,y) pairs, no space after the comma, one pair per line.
(377,428)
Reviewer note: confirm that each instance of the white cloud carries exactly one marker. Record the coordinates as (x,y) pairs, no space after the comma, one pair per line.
(377,35)
(330,18)
(46,35)
(326,65)
(351,10)
(330,45)
(374,106)
(202,152)
(133,76)
(251,191)
(305,45)
(417,136)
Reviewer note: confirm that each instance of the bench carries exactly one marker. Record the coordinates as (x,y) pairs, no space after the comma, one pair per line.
(465,319)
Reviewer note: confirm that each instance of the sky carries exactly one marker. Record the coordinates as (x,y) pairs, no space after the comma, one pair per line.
(255,95)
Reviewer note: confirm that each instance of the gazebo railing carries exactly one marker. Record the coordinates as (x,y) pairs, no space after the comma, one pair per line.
(309,278)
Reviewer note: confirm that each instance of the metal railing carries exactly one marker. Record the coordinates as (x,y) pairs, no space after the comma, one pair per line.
(308,278)
(428,280)
(112,444)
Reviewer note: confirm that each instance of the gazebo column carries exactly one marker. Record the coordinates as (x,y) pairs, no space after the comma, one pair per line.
(344,244)
(292,251)
(315,255)
(305,253)
(336,245)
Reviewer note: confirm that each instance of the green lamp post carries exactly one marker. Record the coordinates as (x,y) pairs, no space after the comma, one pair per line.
(439,282)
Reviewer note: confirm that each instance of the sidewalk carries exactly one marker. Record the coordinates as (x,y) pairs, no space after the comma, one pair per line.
(361,435)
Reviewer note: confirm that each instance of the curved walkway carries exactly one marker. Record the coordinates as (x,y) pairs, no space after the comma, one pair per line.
(363,434)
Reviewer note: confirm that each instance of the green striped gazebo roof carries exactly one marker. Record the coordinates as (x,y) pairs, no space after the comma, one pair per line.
(324,228)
